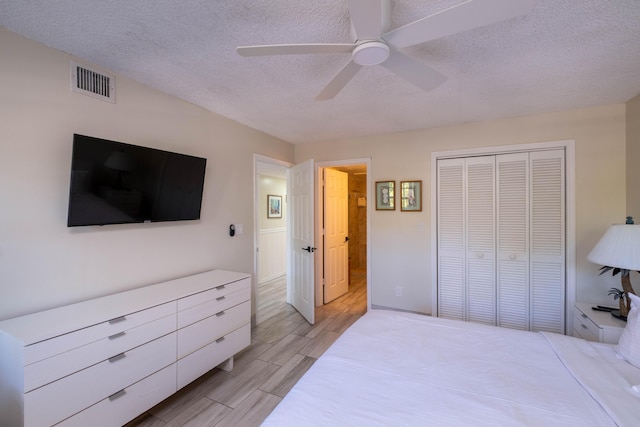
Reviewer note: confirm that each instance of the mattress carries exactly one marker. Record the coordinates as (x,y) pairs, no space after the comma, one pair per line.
(403,369)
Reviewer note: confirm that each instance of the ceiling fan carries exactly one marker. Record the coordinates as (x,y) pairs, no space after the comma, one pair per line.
(375,45)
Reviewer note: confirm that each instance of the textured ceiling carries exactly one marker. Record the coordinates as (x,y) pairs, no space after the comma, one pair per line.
(564,54)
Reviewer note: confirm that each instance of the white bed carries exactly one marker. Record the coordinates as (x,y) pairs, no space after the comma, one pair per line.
(402,369)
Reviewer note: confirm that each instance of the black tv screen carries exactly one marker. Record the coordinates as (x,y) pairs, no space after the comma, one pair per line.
(117,183)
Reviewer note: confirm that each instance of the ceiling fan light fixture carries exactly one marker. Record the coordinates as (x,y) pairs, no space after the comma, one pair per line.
(370,53)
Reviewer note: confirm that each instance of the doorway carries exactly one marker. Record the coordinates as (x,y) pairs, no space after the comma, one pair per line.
(270,237)
(342,232)
(358,252)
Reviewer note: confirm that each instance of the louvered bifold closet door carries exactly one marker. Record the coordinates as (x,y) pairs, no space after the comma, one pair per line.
(547,268)
(512,278)
(480,236)
(451,238)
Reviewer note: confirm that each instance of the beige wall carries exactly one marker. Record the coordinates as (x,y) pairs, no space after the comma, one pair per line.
(401,241)
(45,264)
(633,158)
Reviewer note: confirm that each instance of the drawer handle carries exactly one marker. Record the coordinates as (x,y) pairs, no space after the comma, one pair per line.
(220,298)
(117,357)
(221,287)
(117,394)
(222,313)
(219,340)
(584,316)
(118,335)
(117,320)
(583,325)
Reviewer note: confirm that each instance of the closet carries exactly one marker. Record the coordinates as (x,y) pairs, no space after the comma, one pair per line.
(501,239)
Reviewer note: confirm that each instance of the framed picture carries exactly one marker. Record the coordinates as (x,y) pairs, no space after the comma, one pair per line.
(411,196)
(274,206)
(385,195)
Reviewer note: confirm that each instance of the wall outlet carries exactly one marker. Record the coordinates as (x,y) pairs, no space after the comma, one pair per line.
(398,291)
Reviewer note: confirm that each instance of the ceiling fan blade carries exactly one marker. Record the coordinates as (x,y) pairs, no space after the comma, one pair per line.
(339,81)
(463,17)
(366,17)
(413,71)
(295,49)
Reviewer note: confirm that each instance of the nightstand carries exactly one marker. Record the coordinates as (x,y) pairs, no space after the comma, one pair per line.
(593,325)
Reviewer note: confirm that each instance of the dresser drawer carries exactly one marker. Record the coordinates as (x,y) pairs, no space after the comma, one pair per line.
(210,329)
(129,403)
(584,327)
(45,349)
(58,400)
(212,305)
(202,361)
(212,294)
(59,366)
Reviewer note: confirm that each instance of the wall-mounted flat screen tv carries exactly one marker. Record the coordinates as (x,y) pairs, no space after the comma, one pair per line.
(117,183)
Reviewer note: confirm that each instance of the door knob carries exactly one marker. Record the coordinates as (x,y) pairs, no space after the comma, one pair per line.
(309,249)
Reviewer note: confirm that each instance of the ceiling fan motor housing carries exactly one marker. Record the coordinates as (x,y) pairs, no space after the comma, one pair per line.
(370,53)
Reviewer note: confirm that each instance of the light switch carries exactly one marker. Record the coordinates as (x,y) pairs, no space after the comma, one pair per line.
(239,229)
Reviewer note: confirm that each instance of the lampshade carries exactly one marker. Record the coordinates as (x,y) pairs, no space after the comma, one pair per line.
(619,247)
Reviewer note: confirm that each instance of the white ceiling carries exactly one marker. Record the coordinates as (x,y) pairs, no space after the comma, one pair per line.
(564,54)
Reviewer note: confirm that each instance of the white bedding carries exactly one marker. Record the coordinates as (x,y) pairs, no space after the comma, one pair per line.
(402,369)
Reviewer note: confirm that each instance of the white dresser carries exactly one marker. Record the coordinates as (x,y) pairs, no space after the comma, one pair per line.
(104,361)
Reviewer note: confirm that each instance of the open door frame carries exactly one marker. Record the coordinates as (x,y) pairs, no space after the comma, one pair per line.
(256,226)
(319,211)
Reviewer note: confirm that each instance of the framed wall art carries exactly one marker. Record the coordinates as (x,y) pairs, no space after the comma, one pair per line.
(274,206)
(385,195)
(411,196)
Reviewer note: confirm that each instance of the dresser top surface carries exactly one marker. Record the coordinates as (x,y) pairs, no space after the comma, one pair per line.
(36,327)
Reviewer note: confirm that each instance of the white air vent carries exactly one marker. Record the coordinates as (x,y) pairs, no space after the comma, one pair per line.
(96,84)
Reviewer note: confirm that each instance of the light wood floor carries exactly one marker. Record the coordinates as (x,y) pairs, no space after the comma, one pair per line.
(283,347)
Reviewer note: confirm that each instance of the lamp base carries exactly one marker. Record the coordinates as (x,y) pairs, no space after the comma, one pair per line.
(616,314)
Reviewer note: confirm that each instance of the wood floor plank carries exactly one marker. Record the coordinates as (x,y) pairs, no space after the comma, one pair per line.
(316,347)
(252,412)
(237,388)
(204,412)
(284,349)
(285,378)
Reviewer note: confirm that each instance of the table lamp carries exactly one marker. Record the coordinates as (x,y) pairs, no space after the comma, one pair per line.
(619,251)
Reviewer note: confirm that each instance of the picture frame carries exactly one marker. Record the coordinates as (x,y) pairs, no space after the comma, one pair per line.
(385,195)
(274,206)
(411,196)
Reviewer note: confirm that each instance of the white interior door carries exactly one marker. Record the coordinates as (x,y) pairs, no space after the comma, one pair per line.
(336,226)
(301,239)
